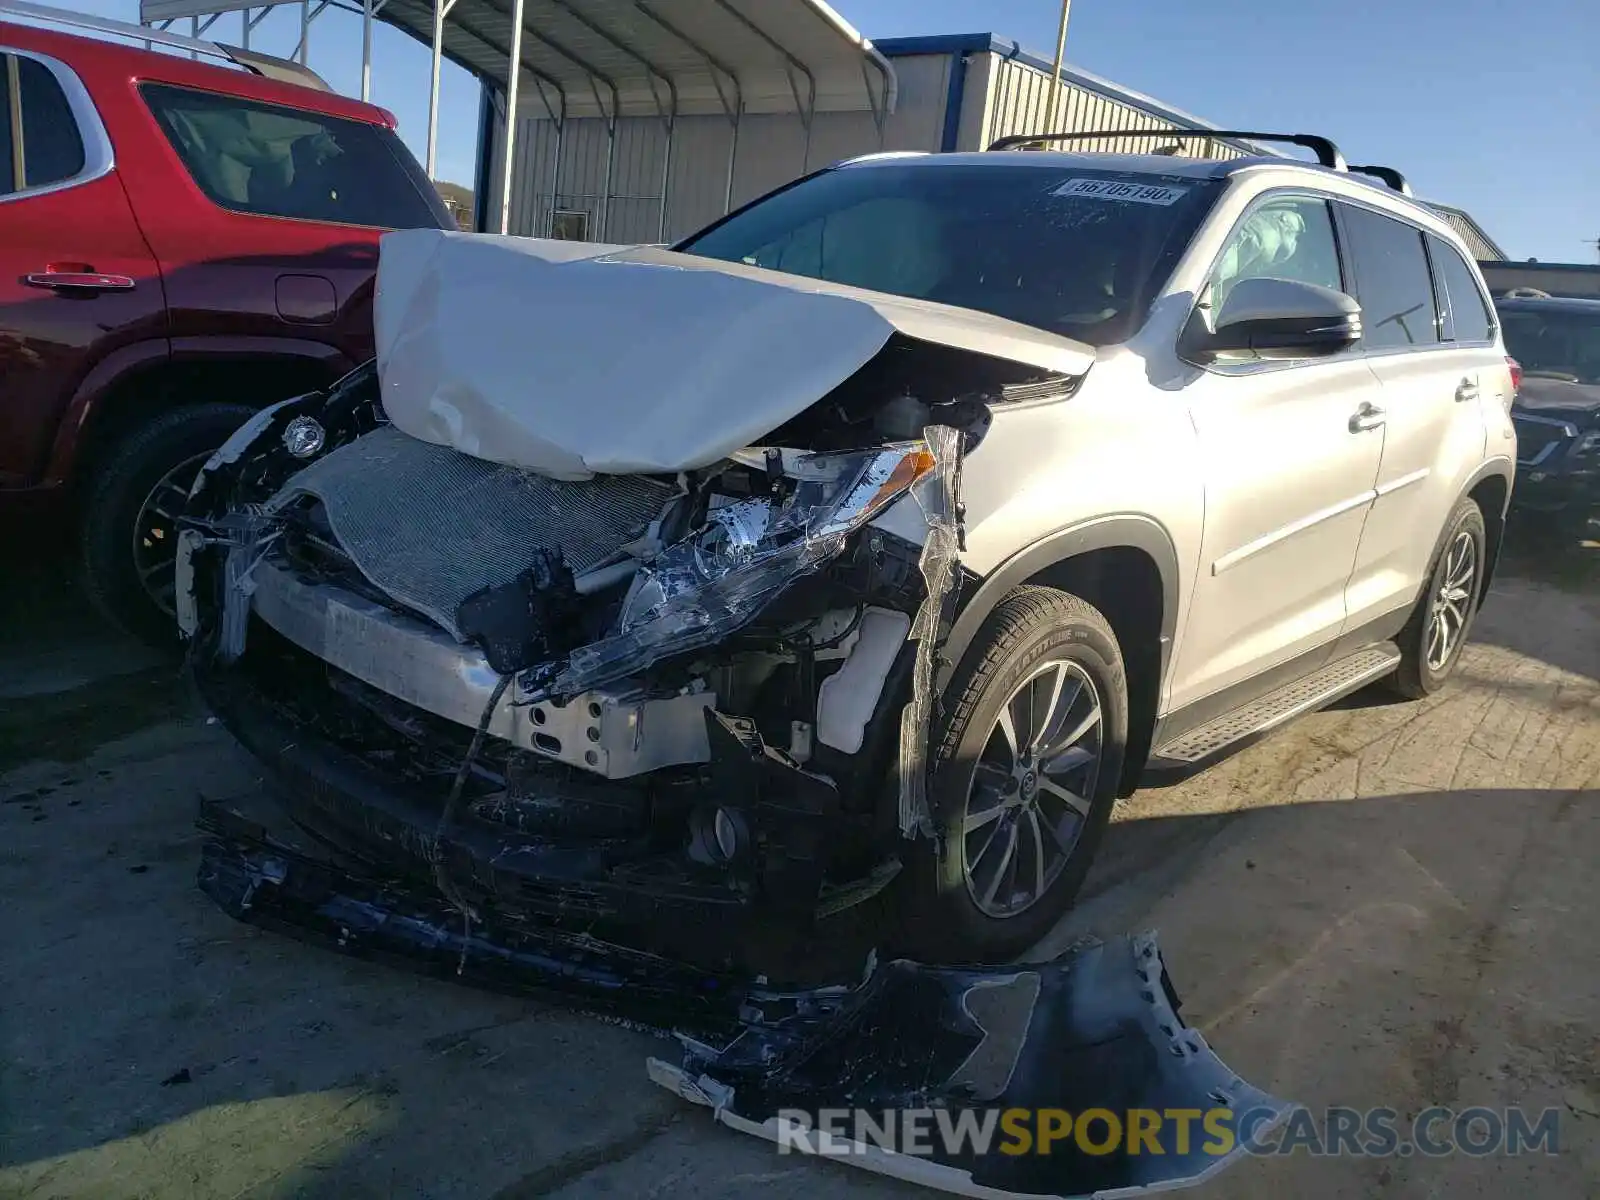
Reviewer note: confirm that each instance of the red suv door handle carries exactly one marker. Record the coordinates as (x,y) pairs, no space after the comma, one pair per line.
(77,277)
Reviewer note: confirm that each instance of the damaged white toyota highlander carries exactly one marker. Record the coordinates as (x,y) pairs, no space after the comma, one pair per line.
(867,545)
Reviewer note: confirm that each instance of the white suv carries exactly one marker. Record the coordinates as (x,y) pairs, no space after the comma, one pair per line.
(878,537)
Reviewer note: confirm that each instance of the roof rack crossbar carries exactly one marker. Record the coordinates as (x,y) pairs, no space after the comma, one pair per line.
(264,65)
(1327,153)
(1389,176)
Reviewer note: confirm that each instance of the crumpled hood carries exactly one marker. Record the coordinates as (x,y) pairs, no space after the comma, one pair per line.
(1558,398)
(573,359)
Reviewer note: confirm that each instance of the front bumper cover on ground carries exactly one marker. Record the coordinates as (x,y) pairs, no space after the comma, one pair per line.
(1024,1052)
(1094,1029)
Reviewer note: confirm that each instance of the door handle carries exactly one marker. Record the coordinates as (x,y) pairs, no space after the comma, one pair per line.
(78,281)
(1368,416)
(1467,390)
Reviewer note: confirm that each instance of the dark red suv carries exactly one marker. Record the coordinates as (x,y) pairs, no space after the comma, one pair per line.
(180,244)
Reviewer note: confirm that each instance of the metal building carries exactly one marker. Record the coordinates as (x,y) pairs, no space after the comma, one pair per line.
(644,178)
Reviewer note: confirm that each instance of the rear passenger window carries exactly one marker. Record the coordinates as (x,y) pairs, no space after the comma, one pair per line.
(286,162)
(1466,313)
(1392,281)
(46,147)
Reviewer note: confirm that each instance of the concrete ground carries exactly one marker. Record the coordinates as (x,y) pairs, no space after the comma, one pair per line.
(1387,904)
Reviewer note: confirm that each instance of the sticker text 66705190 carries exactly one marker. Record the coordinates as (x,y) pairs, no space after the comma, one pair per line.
(1116,189)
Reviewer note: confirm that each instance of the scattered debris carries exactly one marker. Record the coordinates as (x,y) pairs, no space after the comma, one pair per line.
(1096,1028)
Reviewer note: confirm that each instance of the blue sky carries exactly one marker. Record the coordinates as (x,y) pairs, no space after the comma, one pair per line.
(1490,105)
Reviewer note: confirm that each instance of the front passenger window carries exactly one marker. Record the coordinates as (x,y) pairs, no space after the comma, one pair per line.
(1287,238)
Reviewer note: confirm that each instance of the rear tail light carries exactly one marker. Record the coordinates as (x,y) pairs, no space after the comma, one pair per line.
(1516,374)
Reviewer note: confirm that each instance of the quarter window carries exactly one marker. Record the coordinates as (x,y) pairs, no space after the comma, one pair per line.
(1286,238)
(1466,313)
(42,142)
(1392,281)
(274,161)
(8,132)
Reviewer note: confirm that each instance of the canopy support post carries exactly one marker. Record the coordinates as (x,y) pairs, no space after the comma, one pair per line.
(807,111)
(513,74)
(441,9)
(718,69)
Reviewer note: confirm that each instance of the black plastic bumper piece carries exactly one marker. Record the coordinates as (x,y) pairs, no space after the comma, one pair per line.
(272,886)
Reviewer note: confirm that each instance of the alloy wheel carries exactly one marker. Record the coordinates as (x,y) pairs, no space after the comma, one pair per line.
(1028,800)
(1452,601)
(155,532)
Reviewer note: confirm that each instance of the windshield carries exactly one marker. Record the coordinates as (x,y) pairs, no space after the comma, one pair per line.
(1077,252)
(1553,343)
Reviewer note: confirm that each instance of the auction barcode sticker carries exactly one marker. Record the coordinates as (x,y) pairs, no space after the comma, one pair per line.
(1115,189)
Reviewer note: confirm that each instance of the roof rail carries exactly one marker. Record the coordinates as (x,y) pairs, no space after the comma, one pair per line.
(1389,176)
(1327,153)
(264,65)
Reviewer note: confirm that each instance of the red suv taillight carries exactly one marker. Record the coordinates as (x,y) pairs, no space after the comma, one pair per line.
(1516,374)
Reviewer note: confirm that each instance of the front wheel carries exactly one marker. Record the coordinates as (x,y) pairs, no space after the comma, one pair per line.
(129,531)
(1025,772)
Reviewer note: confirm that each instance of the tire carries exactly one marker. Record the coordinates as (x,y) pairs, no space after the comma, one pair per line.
(116,497)
(944,916)
(1421,671)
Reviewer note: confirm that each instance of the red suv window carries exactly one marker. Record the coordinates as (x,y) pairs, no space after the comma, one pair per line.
(274,161)
(46,147)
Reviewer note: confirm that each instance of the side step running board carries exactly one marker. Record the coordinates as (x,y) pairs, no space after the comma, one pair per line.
(1197,748)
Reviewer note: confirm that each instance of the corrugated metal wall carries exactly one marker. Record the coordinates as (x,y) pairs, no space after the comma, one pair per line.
(629,208)
(1019,100)
(773,149)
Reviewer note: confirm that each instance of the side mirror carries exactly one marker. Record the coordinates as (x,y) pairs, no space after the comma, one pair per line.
(1276,319)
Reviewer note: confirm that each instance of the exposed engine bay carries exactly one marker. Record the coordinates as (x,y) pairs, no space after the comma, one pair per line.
(702,684)
(663,623)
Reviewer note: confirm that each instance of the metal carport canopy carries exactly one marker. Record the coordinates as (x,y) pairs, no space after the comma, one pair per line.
(781,54)
(659,58)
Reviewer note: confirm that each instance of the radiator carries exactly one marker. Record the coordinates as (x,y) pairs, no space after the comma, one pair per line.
(429,526)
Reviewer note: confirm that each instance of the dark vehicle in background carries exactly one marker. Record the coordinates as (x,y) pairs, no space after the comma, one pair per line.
(1557,410)
(181,244)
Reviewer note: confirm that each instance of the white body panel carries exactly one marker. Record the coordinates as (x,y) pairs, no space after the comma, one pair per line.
(1291,526)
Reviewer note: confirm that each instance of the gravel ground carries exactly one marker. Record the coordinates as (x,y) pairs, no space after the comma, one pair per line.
(1386,904)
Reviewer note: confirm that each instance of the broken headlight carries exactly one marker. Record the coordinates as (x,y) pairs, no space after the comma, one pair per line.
(713,582)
